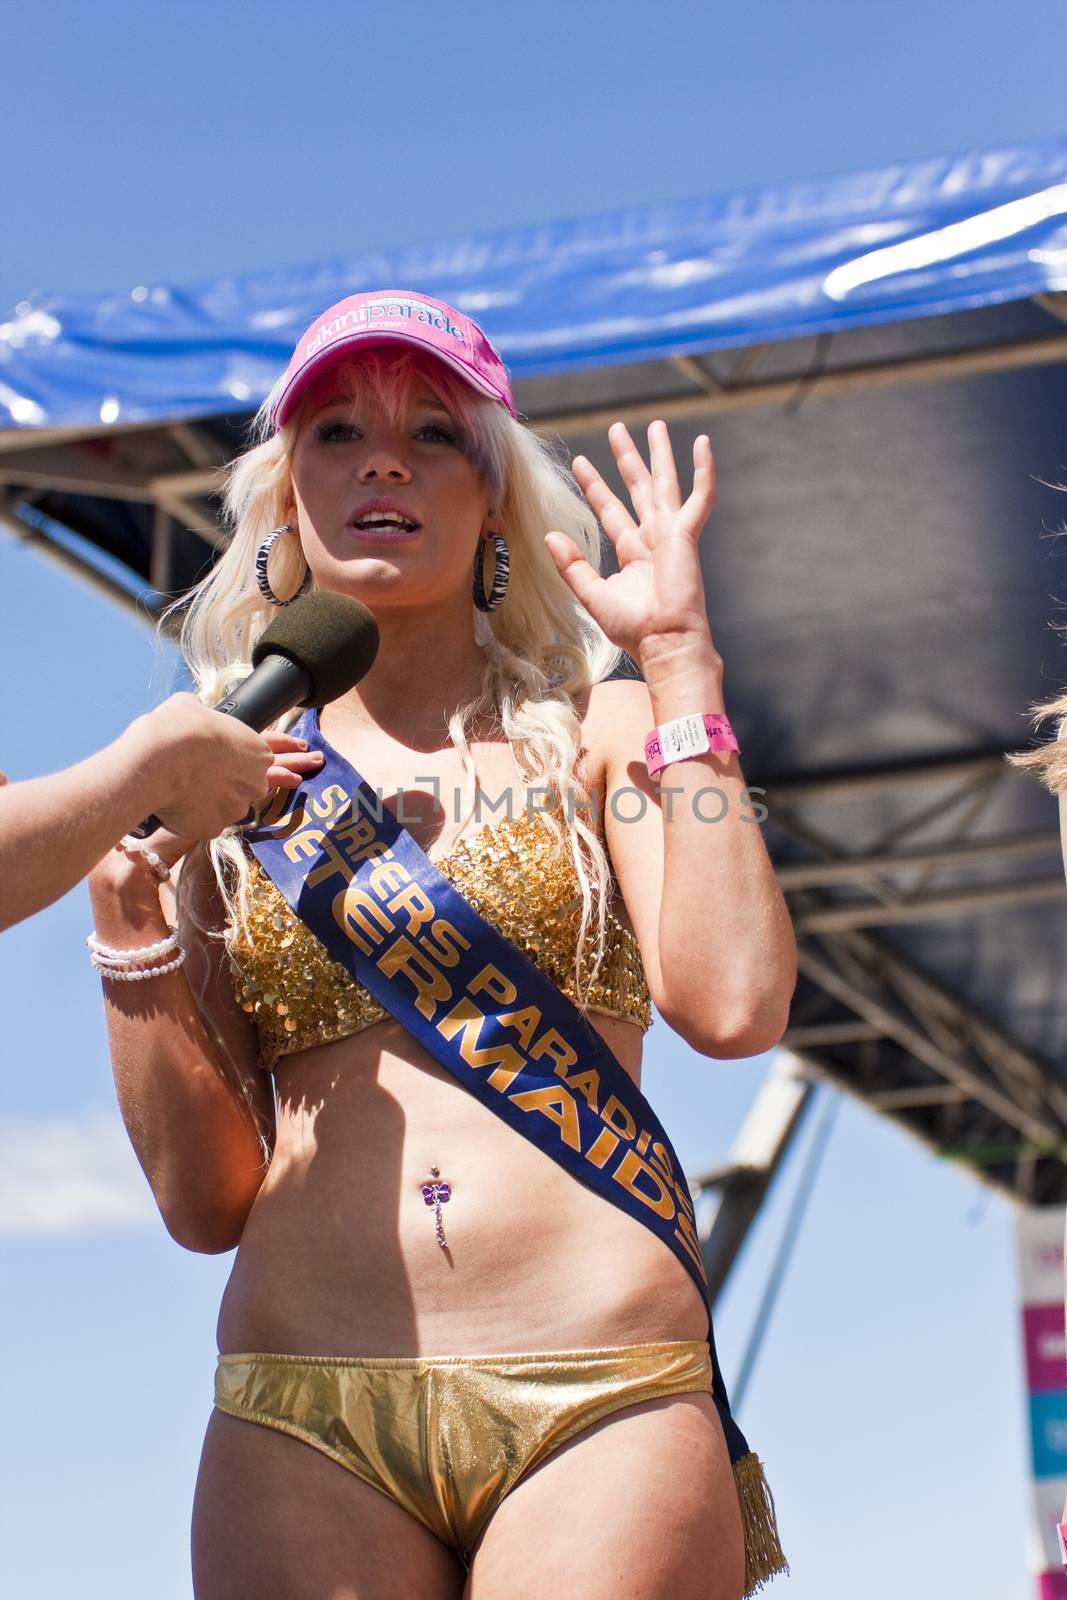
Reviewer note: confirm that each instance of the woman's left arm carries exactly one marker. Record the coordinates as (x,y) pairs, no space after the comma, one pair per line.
(709,915)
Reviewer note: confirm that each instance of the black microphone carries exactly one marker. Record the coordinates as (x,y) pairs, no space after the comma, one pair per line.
(315,651)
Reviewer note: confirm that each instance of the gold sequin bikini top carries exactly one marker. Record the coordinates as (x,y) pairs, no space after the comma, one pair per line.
(514,872)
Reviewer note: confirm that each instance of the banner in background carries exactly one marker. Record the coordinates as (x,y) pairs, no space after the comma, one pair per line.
(1039,1246)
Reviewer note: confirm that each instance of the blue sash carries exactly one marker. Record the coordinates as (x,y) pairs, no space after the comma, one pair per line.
(474,1001)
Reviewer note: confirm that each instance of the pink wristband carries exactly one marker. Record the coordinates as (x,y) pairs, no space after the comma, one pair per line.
(686,737)
(1061,1535)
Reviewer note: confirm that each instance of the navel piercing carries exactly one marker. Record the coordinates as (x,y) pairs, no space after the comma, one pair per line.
(436,1194)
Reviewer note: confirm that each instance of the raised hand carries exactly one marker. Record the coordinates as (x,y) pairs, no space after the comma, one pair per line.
(657,596)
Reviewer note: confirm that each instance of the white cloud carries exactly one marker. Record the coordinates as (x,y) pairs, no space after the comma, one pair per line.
(59,1178)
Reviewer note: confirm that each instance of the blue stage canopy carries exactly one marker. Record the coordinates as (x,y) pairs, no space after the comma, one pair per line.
(906,241)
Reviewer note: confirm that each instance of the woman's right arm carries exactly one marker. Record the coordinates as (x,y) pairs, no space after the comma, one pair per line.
(190,1100)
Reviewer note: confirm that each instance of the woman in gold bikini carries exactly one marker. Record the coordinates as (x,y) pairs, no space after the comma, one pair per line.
(446,1368)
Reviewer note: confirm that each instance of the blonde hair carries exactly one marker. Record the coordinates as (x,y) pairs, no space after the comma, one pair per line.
(541,648)
(1049,763)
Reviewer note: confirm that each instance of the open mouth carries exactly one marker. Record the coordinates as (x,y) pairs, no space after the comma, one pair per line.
(384,524)
(372,521)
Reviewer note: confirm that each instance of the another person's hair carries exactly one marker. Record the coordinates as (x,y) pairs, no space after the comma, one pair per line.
(1048,763)
(541,648)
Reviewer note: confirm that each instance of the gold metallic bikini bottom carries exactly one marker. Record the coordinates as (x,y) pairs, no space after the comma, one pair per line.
(446,1437)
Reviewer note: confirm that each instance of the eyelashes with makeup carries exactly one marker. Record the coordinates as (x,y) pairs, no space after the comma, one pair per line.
(347,432)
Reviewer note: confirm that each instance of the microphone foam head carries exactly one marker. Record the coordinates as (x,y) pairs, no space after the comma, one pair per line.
(331,636)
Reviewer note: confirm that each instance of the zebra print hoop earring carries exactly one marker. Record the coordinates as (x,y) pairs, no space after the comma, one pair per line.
(501,569)
(263,556)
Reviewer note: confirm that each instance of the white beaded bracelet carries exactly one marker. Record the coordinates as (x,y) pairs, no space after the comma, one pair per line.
(151,858)
(108,956)
(128,966)
(137,974)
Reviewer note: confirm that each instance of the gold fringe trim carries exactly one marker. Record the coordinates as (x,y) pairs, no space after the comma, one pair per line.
(763,1552)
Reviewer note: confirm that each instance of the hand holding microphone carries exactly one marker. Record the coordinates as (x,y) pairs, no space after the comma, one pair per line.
(200,770)
(206,769)
(317,650)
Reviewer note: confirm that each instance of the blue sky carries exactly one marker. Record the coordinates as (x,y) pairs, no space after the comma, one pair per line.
(166,144)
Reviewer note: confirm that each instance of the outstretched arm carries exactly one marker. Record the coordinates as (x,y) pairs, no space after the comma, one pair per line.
(714,931)
(197,770)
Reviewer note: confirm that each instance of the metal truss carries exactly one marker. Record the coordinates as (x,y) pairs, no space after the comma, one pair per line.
(716,395)
(168,479)
(891,1033)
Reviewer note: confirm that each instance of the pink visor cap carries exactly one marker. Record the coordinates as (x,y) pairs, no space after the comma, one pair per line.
(393,316)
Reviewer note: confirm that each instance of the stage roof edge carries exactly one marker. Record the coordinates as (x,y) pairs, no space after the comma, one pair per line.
(671,279)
